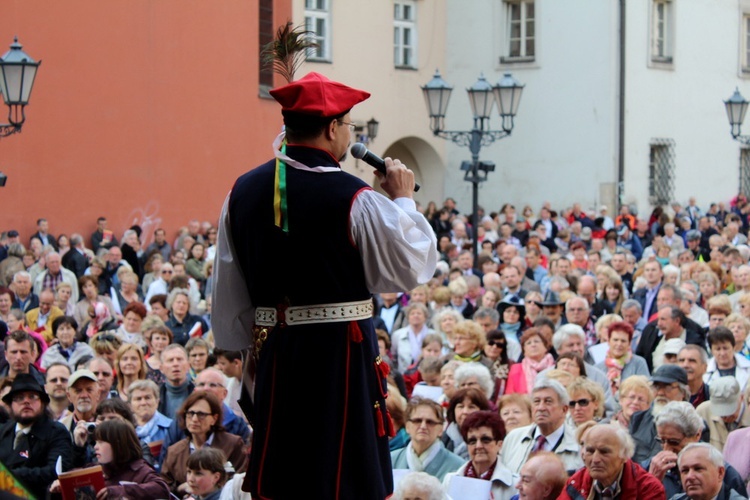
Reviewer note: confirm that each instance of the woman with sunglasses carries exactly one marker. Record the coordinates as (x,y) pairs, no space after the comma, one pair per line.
(496,351)
(200,416)
(425,452)
(484,433)
(586,401)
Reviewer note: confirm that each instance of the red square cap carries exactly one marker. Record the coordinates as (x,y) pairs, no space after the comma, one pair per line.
(316,95)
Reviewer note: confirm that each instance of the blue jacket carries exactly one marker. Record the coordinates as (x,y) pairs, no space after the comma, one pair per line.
(444,462)
(154,431)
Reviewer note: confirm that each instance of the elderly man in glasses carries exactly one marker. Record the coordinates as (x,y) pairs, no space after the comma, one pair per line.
(30,442)
(678,425)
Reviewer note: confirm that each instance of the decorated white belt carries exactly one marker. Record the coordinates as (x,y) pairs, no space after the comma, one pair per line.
(319,313)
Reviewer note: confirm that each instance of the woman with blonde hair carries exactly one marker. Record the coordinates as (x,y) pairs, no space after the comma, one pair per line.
(515,410)
(470,340)
(445,322)
(718,307)
(586,401)
(63,293)
(129,367)
(709,285)
(739,325)
(533,311)
(634,395)
(614,294)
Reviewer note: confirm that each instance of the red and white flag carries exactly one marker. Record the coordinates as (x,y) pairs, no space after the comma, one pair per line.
(196,331)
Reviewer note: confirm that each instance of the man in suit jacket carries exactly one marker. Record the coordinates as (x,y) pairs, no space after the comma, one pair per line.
(671,323)
(75,259)
(42,234)
(647,296)
(30,442)
(390,312)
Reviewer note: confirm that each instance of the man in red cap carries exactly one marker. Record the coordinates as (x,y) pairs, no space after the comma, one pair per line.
(315,385)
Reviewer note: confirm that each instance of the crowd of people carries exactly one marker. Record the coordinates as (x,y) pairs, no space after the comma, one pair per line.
(579,356)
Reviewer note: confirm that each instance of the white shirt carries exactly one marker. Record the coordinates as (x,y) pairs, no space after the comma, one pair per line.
(409,258)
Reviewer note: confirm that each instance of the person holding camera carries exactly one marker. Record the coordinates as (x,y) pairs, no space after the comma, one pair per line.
(83,393)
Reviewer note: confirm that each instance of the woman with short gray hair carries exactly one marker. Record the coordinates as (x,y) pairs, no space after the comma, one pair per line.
(474,375)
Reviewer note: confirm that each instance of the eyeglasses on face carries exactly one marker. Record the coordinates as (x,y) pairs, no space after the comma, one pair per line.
(670,442)
(351,126)
(31,396)
(200,415)
(212,385)
(496,343)
(56,380)
(167,271)
(427,421)
(583,403)
(472,441)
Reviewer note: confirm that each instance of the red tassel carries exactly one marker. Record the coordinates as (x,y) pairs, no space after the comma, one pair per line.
(379,420)
(382,367)
(391,430)
(355,334)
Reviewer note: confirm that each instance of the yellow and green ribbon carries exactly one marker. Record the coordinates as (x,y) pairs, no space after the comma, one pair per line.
(280,209)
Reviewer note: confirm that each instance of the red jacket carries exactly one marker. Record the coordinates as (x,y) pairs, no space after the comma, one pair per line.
(636,484)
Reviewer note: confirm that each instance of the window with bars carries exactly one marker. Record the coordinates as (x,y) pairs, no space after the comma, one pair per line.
(745,49)
(405,34)
(265,36)
(745,171)
(661,167)
(318,22)
(662,27)
(521,30)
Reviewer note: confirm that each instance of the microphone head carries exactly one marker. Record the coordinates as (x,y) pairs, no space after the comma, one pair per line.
(358,150)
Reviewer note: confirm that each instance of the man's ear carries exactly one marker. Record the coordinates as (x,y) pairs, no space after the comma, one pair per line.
(331,129)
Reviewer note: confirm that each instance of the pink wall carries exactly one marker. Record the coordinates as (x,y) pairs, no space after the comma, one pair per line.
(144,111)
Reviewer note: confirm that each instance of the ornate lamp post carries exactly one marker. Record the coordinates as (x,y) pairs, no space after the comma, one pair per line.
(482,97)
(17,73)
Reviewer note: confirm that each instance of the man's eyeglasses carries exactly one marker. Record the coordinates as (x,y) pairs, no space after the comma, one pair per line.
(58,379)
(583,403)
(426,421)
(31,396)
(167,271)
(671,442)
(351,126)
(212,385)
(472,441)
(200,415)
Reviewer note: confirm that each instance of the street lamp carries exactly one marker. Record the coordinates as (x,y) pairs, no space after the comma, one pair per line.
(482,97)
(17,73)
(372,131)
(736,107)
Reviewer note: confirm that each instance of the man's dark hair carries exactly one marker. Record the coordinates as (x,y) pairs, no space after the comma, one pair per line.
(39,221)
(57,363)
(303,127)
(101,219)
(18,336)
(229,355)
(719,335)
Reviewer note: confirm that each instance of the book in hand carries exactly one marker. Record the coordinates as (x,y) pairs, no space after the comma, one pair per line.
(81,484)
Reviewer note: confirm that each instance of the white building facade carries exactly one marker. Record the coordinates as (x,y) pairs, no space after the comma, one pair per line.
(574,140)
(605,112)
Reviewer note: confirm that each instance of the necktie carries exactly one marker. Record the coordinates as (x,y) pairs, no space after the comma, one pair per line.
(540,442)
(21,442)
(608,493)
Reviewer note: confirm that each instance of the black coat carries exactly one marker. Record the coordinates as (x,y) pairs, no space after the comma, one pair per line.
(48,440)
(74,261)
(694,334)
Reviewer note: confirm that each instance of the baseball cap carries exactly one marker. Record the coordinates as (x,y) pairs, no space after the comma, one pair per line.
(669,374)
(673,346)
(725,395)
(79,374)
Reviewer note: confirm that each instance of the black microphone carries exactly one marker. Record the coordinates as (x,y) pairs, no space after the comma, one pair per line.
(361,152)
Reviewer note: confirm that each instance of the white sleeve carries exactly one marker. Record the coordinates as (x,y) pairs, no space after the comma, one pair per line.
(397,244)
(232,311)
